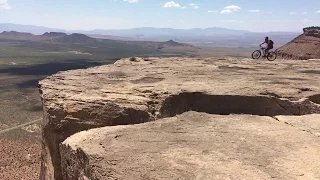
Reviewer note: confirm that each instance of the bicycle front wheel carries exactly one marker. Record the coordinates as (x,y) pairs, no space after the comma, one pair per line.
(256,54)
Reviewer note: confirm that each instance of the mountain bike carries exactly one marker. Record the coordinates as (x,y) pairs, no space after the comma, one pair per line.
(271,56)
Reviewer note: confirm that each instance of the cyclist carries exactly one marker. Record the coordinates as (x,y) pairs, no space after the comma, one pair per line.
(269,43)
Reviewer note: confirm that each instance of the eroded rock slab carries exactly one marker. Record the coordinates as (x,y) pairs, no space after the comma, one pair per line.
(194,146)
(133,92)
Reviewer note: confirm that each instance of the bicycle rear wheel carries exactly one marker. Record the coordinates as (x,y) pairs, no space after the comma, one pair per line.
(256,54)
(272,56)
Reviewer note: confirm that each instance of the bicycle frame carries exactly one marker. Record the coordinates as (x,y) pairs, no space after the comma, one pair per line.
(262,49)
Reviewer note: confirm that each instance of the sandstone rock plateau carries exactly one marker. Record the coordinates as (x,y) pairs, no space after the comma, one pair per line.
(306,46)
(183,118)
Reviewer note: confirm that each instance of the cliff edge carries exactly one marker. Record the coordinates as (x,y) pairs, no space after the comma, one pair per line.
(171,118)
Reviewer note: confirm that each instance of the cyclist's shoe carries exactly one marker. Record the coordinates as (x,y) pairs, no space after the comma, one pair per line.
(264,56)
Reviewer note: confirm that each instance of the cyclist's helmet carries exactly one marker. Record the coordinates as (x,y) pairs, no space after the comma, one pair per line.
(266,37)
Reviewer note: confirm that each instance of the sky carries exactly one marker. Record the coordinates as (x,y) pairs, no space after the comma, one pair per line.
(252,15)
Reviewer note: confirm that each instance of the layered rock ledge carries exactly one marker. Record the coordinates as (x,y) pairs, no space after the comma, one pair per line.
(216,119)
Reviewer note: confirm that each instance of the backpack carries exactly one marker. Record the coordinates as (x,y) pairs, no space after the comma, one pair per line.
(271,42)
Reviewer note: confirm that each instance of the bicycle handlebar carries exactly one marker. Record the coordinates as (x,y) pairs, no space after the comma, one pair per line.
(262,47)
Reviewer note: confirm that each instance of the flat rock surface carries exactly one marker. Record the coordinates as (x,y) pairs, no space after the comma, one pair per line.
(133,83)
(140,90)
(309,123)
(195,146)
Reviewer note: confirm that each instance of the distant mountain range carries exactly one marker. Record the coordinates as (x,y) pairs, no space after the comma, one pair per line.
(169,32)
(77,43)
(136,32)
(49,37)
(77,38)
(212,37)
(27,28)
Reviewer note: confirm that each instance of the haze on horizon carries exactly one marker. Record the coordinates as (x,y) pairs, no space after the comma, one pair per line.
(258,16)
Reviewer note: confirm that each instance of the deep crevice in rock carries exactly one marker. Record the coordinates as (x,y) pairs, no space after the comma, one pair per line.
(227,104)
(315,98)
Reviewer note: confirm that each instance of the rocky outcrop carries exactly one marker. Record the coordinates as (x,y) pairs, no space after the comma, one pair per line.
(305,46)
(52,35)
(141,91)
(174,43)
(312,31)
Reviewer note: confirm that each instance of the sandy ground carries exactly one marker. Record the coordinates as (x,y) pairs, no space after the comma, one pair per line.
(20,154)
